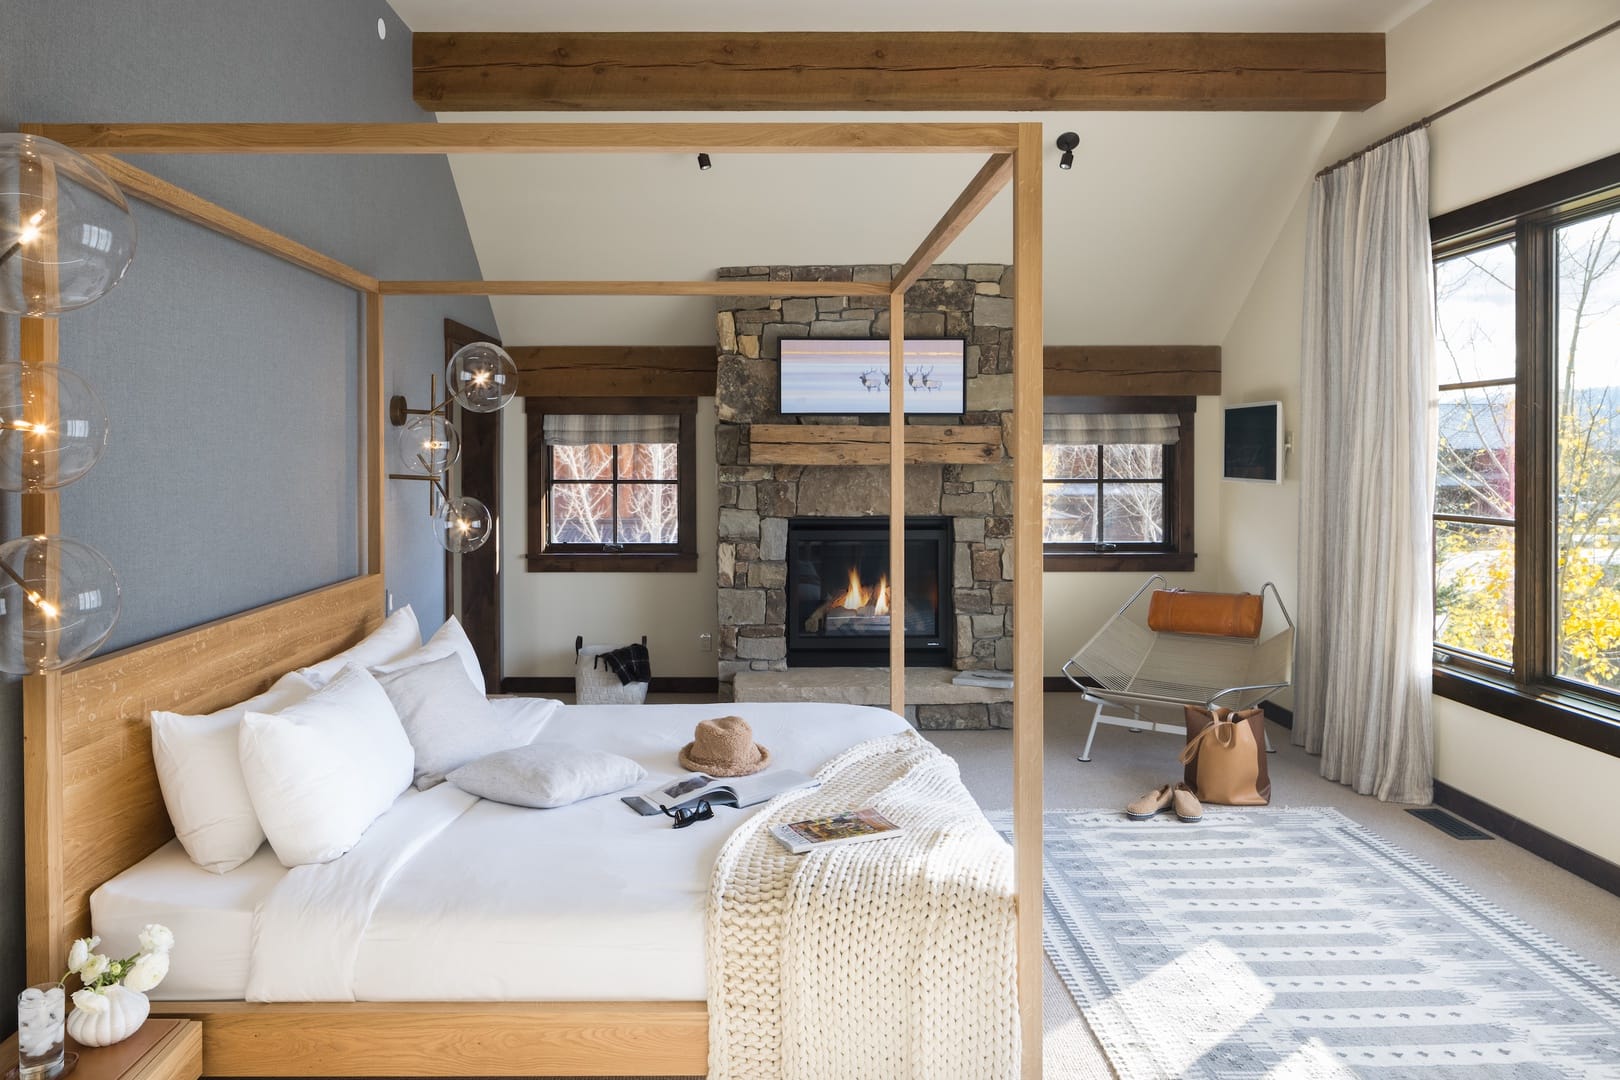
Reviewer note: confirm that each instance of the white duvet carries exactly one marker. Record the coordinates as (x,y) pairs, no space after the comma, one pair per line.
(448,897)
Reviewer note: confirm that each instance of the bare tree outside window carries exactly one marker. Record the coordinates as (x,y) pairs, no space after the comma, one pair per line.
(614,495)
(1103,495)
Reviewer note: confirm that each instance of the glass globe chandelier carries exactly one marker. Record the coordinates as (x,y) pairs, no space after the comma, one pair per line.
(66,238)
(53,428)
(59,600)
(481,378)
(66,233)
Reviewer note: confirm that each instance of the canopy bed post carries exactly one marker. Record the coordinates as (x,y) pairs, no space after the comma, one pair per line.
(897,501)
(39,342)
(374,398)
(1027,702)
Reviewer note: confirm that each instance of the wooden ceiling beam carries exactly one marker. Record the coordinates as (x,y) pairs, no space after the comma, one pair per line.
(891,70)
(533,138)
(986,185)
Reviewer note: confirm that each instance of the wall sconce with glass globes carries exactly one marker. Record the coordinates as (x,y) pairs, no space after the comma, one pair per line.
(481,378)
(66,238)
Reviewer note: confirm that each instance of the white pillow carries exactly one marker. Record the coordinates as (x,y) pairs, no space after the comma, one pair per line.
(201,777)
(448,721)
(397,637)
(321,771)
(447,640)
(546,774)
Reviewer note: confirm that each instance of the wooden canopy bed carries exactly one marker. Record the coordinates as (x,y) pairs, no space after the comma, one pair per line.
(93,805)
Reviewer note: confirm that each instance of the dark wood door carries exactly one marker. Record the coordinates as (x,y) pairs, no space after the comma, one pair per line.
(480,609)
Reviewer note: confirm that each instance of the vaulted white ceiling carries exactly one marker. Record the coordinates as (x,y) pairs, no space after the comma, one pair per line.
(1154,237)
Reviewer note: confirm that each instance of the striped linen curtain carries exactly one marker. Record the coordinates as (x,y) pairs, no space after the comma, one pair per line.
(581,430)
(1111,429)
(1366,607)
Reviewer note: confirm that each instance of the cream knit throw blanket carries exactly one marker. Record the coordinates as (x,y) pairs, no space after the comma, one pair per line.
(889,960)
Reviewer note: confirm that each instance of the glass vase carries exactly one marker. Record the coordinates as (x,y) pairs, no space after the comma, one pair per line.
(41,1031)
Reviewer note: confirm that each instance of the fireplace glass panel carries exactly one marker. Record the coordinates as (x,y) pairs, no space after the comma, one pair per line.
(843,588)
(839,599)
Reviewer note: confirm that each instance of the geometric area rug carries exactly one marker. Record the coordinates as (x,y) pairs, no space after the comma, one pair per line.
(1291,942)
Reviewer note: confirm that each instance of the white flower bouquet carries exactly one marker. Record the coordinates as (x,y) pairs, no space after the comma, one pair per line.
(140,972)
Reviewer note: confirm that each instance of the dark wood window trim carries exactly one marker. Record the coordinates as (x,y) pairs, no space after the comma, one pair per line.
(678,558)
(1177,554)
(1526,691)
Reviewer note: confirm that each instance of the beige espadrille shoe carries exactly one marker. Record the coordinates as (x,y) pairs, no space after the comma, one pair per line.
(1186,804)
(1156,801)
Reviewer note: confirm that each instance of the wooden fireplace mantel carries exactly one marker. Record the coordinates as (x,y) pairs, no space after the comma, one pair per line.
(851,444)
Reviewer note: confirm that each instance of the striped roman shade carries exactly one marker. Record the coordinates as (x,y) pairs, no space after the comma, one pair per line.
(1109,429)
(584,430)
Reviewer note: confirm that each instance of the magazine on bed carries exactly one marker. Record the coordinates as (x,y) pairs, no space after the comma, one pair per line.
(738,791)
(850,827)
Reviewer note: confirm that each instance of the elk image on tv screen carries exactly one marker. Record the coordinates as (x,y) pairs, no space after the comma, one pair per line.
(853,377)
(1254,443)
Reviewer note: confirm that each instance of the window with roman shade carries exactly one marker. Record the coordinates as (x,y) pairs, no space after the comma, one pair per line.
(1116,484)
(611,484)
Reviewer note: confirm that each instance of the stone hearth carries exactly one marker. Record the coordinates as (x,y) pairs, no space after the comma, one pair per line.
(971,303)
(933,702)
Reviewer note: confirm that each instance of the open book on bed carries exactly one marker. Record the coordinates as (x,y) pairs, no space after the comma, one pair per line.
(738,791)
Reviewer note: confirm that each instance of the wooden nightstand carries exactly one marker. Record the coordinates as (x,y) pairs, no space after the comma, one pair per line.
(163,1049)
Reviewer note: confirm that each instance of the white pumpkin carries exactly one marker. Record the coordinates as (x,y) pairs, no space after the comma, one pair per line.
(125,1013)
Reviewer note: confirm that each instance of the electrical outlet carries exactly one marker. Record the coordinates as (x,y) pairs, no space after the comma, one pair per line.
(388,601)
(705,643)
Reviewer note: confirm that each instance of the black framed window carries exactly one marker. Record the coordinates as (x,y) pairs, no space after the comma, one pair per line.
(611,484)
(1527,492)
(1117,484)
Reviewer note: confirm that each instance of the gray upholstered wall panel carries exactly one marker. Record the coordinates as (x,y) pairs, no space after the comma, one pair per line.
(233,380)
(231,473)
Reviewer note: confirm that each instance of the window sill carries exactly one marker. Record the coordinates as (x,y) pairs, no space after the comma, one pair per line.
(1115,562)
(612,562)
(1568,716)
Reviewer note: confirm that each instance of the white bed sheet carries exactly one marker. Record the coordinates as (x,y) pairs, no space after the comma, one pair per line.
(211,916)
(584,902)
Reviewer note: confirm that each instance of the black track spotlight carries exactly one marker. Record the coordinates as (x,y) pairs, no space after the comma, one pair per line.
(704,163)
(1066,142)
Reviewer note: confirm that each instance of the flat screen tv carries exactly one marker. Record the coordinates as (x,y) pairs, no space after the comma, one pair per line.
(1254,443)
(844,377)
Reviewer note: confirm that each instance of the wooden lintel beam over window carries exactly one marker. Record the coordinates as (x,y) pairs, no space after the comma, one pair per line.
(596,371)
(1091,370)
(1320,72)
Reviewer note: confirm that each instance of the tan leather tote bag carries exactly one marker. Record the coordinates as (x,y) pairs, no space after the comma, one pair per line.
(1225,757)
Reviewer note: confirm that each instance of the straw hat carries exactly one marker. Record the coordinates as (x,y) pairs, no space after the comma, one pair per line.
(724,747)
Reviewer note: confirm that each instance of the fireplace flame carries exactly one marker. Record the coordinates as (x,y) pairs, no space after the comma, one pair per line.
(858,597)
(855,597)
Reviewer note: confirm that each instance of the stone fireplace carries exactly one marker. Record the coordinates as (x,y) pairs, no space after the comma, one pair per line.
(972,503)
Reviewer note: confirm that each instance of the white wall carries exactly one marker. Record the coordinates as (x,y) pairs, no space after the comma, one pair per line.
(542,612)
(1076,604)
(1552,120)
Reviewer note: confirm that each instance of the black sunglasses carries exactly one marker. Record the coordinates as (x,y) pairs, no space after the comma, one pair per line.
(686,815)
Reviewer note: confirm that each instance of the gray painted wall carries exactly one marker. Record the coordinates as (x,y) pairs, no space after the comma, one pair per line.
(232,380)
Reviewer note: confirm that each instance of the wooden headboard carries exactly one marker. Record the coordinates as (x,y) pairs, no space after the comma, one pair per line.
(92,806)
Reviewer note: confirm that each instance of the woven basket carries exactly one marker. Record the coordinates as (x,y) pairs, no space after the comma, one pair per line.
(595,683)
